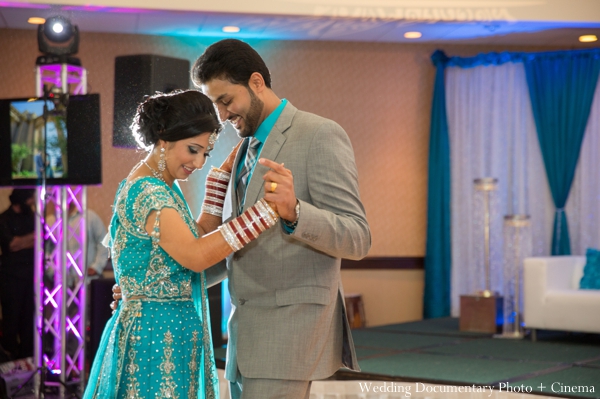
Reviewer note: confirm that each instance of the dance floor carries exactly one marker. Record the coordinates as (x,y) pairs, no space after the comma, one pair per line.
(433,359)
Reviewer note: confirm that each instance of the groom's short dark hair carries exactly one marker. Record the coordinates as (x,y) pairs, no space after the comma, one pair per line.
(231,60)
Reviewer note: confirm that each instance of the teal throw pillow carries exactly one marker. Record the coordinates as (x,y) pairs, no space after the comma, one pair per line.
(591,271)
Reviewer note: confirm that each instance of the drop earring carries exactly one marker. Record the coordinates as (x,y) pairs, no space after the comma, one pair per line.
(162,164)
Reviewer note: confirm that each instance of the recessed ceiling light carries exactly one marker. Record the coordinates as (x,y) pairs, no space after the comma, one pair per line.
(231,29)
(413,35)
(587,38)
(36,20)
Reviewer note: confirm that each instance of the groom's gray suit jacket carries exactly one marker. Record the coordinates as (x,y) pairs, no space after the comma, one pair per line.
(288,315)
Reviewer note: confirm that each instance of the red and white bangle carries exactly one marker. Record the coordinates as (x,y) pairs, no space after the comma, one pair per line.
(240,231)
(216,188)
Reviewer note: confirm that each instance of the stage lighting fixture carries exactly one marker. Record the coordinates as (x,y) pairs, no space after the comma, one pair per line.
(57,37)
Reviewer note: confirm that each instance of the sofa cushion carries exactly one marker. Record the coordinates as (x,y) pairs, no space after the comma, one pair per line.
(591,271)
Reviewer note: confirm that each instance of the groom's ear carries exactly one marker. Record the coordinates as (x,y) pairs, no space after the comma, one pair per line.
(256,83)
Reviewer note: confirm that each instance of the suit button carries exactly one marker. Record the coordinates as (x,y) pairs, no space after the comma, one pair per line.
(242,301)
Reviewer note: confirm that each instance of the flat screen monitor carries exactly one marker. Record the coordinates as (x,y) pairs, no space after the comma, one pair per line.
(72,141)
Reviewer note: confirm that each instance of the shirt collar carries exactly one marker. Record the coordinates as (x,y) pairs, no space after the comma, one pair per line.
(267,125)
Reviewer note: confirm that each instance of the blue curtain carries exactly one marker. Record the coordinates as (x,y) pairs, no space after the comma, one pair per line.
(561,87)
(437,253)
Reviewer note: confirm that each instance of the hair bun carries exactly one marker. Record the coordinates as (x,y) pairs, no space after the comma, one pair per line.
(150,120)
(155,109)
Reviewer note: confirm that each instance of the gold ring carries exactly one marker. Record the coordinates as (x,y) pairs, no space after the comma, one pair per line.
(273,186)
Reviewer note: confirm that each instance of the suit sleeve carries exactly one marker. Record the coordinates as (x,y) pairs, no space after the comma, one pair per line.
(215,274)
(333,220)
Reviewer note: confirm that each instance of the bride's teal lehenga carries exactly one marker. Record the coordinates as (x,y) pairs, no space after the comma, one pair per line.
(157,345)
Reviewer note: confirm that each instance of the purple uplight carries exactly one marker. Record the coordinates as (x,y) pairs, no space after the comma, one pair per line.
(50,296)
(72,328)
(74,264)
(72,366)
(55,68)
(73,197)
(50,231)
(23,5)
(52,80)
(119,10)
(48,325)
(51,365)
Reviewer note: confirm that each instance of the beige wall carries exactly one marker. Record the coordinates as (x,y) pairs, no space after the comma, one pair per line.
(389,296)
(380,93)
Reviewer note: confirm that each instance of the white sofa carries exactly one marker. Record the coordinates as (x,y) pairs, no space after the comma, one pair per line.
(552,299)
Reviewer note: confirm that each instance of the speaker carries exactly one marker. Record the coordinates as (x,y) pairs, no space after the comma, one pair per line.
(137,76)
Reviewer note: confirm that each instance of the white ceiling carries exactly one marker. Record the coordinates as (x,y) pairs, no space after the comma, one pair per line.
(297,27)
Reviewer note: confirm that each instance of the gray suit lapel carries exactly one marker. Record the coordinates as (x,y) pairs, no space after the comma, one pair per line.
(270,151)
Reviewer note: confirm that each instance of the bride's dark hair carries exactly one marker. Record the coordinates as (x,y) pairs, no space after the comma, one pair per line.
(174,116)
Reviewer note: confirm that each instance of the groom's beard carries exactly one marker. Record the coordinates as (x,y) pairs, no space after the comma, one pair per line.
(252,118)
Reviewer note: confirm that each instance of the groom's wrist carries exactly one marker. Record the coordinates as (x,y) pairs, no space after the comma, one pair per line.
(290,226)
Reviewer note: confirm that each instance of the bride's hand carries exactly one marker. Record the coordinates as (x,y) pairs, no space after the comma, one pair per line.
(227,165)
(273,206)
(117,296)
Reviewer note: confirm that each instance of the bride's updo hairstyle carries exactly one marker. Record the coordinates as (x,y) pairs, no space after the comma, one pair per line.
(172,117)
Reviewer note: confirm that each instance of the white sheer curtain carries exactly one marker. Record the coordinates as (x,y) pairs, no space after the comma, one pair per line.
(492,134)
(583,206)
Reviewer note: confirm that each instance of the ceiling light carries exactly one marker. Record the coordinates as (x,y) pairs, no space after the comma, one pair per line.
(36,20)
(58,27)
(58,37)
(413,35)
(588,38)
(231,29)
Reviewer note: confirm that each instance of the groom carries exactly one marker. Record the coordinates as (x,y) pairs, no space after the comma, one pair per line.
(288,324)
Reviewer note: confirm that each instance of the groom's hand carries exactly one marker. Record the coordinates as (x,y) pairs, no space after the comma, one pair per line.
(279,189)
(117,295)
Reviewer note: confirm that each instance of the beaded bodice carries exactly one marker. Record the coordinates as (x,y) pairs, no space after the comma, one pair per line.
(142,267)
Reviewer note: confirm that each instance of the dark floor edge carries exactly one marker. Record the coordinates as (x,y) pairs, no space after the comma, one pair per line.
(380,263)
(584,363)
(453,343)
(433,334)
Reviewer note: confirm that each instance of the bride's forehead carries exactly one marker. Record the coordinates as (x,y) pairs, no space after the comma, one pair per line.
(201,140)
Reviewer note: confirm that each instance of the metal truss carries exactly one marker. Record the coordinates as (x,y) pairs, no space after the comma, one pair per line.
(63,76)
(60,254)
